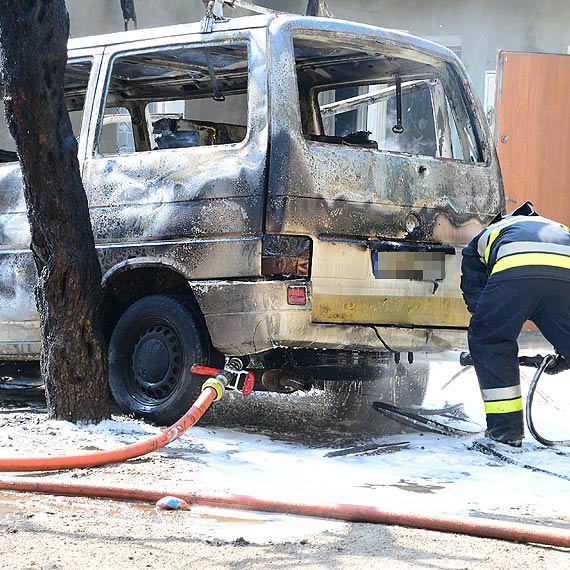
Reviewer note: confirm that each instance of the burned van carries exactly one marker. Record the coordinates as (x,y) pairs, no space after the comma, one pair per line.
(295,191)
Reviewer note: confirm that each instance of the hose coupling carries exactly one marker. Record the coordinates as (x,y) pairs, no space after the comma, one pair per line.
(228,377)
(217,384)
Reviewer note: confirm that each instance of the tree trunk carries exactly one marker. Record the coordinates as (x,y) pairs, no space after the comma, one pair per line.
(33,52)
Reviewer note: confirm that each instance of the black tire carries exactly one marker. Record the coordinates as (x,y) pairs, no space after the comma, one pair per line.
(153,347)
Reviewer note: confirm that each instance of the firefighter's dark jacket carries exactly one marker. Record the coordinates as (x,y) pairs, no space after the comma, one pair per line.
(515,247)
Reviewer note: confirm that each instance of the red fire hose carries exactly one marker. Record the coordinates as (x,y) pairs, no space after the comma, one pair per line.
(474,526)
(95,458)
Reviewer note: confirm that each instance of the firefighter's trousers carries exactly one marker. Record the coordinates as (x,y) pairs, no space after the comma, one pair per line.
(501,312)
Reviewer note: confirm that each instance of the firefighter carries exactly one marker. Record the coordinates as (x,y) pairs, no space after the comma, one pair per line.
(515,270)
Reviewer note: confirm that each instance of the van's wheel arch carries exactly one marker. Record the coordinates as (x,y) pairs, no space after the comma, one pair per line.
(151,351)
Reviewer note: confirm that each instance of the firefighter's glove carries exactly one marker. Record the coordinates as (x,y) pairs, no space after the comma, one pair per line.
(465,359)
(559,364)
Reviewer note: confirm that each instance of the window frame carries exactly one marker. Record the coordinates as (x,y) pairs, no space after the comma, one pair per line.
(92,57)
(472,151)
(113,53)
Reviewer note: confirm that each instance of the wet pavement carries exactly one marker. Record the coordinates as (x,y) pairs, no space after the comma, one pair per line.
(340,414)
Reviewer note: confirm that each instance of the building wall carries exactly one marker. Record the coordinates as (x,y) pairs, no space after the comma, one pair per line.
(484,26)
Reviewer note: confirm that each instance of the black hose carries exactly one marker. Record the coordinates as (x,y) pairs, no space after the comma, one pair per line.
(547,360)
(487,450)
(541,363)
(456,375)
(382,340)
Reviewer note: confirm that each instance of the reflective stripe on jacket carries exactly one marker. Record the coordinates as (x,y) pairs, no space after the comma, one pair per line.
(523,241)
(516,247)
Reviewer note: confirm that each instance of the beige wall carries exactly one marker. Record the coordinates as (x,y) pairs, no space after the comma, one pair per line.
(103,16)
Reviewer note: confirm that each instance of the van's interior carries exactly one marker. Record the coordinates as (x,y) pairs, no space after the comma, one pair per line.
(181,96)
(165,98)
(175,97)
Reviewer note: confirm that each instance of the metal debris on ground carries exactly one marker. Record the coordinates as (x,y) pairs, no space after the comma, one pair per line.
(369,449)
(492,451)
(412,419)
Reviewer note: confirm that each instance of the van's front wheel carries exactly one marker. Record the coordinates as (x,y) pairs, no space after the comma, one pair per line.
(151,351)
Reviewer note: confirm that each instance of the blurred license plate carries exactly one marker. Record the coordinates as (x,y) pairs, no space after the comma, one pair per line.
(414,265)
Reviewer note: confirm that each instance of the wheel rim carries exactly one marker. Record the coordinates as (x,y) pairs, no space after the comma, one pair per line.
(157,363)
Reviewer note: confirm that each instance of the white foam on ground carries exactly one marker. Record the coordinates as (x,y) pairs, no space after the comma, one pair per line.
(433,474)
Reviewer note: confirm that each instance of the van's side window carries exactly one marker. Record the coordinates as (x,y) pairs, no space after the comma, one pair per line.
(380,101)
(176,97)
(75,86)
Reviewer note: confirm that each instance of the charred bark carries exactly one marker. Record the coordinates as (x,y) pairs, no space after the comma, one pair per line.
(33,54)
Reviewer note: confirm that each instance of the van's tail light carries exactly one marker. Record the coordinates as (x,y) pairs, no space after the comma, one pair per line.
(286,256)
(297,295)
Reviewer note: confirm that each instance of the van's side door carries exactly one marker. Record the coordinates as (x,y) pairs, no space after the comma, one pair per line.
(176,167)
